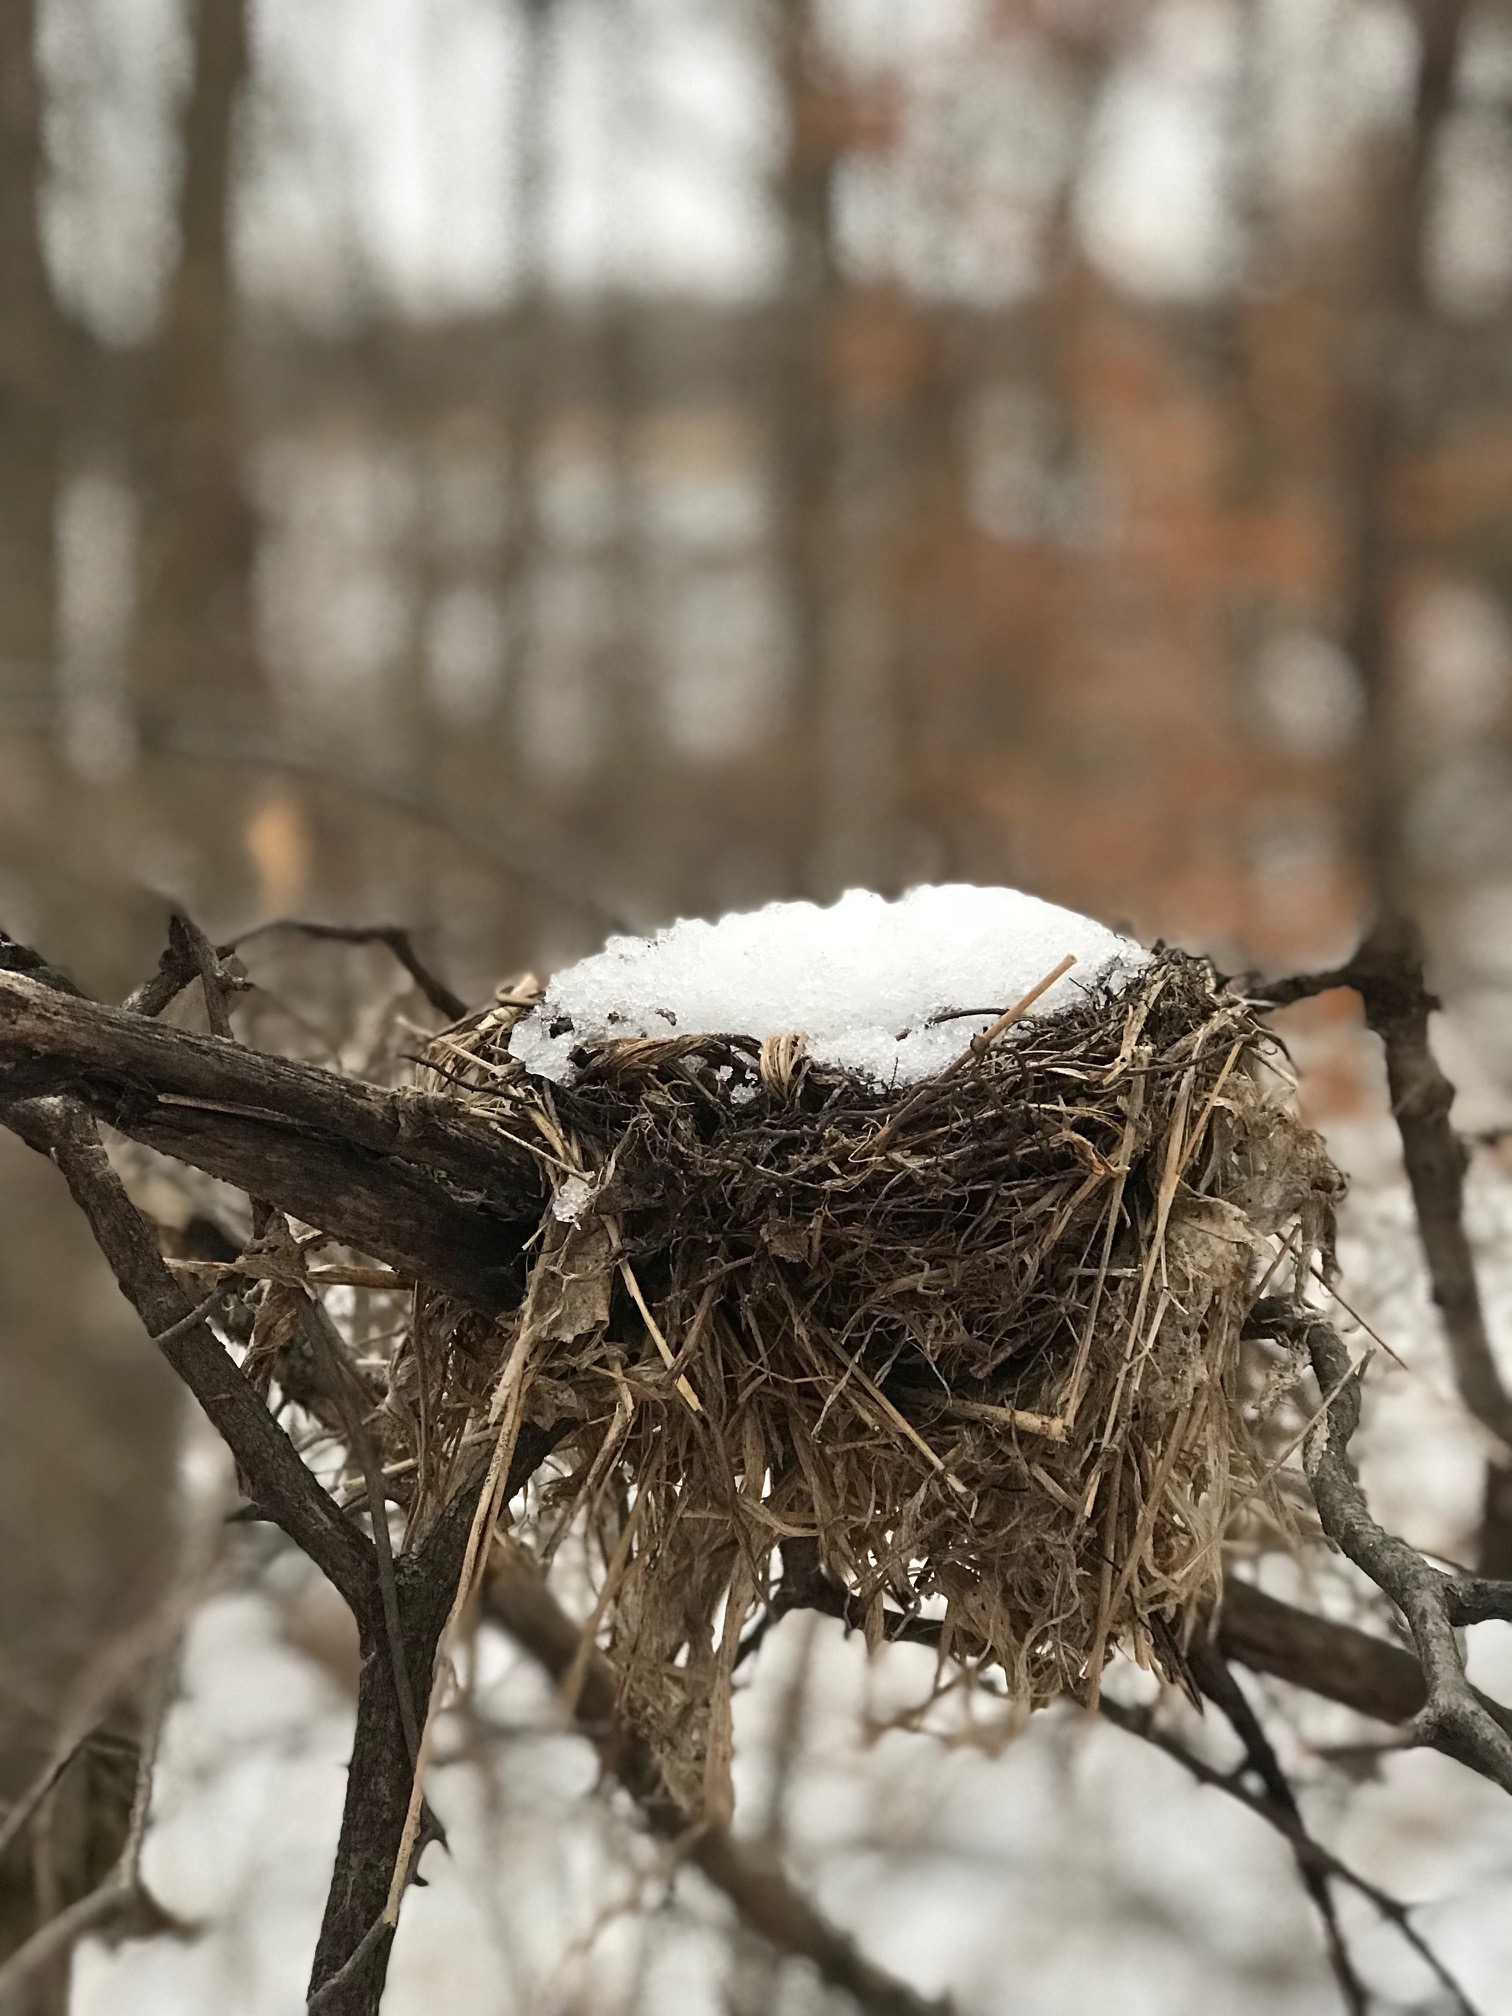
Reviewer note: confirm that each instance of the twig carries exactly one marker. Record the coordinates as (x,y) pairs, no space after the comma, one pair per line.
(930,1092)
(1323,1657)
(1207,1667)
(100,1688)
(18,958)
(331,1353)
(981,1043)
(285,1490)
(113,1903)
(189,955)
(217,984)
(176,967)
(394,936)
(1452,1718)
(1313,1859)
(121,1902)
(1337,1661)
(517,1598)
(1387,974)
(350,1958)
(366,1946)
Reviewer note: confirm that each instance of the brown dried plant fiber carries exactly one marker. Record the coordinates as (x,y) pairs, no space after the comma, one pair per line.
(976,1341)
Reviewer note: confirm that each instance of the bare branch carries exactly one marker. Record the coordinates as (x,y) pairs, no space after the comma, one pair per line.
(517,1598)
(217,983)
(177,965)
(111,1672)
(18,958)
(119,1906)
(121,1903)
(1323,1657)
(350,1400)
(1452,1718)
(1208,1667)
(394,936)
(351,1956)
(1334,1660)
(1316,1863)
(400,1175)
(284,1489)
(1387,974)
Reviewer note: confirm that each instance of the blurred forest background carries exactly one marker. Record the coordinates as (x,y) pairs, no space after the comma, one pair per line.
(519,467)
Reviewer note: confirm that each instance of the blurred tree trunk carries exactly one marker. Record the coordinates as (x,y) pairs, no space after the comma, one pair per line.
(802,424)
(34,361)
(1393,318)
(89,1424)
(195,636)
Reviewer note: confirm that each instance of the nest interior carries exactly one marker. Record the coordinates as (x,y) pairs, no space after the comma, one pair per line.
(974,1344)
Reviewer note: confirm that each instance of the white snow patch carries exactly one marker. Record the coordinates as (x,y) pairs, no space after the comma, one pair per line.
(865,980)
(572,1200)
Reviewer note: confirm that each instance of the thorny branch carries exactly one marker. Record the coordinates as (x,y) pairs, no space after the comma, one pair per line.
(351,1955)
(350,1401)
(1278,1808)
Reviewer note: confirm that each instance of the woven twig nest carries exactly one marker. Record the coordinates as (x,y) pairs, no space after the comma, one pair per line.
(976,1341)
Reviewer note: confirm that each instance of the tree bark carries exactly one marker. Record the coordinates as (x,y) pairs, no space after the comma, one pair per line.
(352,1954)
(196,627)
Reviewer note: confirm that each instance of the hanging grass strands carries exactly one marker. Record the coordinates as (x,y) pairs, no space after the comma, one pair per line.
(975,1339)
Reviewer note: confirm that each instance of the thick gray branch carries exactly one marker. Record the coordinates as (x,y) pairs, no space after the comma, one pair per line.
(1387,974)
(402,1176)
(1452,1718)
(1335,1660)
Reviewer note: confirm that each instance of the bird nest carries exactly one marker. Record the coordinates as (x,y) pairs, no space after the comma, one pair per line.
(968,1350)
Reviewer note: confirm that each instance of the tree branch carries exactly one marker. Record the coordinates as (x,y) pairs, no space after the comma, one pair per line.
(285,1490)
(1336,1661)
(401,1175)
(121,1903)
(1208,1667)
(517,1598)
(176,967)
(351,1957)
(1452,1718)
(1387,974)
(1316,1863)
(394,936)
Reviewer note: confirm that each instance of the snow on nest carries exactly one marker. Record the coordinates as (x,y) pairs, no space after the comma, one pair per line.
(863,979)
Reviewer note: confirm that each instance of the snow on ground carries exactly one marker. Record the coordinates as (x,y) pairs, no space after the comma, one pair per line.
(865,980)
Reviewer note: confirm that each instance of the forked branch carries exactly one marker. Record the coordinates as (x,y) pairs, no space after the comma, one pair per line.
(1387,974)
(516,1598)
(284,1489)
(1452,1717)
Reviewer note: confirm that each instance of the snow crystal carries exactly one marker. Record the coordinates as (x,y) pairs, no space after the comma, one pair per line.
(571,1200)
(865,980)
